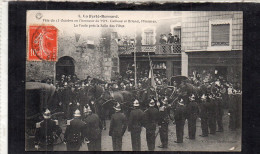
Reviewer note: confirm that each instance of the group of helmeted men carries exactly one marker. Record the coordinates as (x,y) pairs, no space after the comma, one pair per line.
(87,127)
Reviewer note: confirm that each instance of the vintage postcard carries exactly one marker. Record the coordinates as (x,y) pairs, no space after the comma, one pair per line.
(133,80)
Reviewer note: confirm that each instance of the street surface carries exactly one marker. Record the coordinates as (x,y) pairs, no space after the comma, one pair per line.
(221,141)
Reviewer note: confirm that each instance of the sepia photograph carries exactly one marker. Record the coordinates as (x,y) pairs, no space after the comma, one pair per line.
(115,80)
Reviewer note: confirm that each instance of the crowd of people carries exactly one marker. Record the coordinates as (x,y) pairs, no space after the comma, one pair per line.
(84,124)
(169,40)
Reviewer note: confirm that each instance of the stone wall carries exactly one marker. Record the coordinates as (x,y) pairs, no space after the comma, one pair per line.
(87,61)
(39,70)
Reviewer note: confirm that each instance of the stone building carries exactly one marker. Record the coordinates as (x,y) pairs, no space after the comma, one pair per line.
(79,55)
(212,42)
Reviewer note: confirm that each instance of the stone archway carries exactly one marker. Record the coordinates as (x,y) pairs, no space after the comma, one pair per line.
(65,66)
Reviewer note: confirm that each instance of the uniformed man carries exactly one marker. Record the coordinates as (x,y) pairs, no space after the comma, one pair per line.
(233,110)
(212,114)
(239,108)
(47,131)
(192,115)
(93,130)
(73,104)
(219,112)
(74,134)
(179,117)
(117,128)
(66,99)
(135,126)
(163,123)
(151,120)
(204,115)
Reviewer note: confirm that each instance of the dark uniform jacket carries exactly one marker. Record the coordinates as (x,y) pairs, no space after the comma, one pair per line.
(46,131)
(93,127)
(118,124)
(66,93)
(179,114)
(136,120)
(75,131)
(164,115)
(204,106)
(83,96)
(212,107)
(219,105)
(151,118)
(192,109)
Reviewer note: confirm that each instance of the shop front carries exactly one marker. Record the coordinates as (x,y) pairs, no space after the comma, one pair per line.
(164,66)
(226,65)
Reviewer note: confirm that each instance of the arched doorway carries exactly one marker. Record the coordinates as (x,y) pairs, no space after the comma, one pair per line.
(65,66)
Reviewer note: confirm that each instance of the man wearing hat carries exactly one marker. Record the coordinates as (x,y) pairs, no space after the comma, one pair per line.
(74,134)
(93,130)
(46,132)
(117,128)
(204,115)
(135,126)
(151,119)
(192,115)
(179,117)
(163,123)
(170,38)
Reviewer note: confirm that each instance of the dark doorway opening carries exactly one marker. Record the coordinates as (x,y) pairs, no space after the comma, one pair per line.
(65,66)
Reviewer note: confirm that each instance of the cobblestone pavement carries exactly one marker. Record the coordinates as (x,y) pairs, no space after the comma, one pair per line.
(224,141)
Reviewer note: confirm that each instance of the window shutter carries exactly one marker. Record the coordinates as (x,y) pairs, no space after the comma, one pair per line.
(149,37)
(220,35)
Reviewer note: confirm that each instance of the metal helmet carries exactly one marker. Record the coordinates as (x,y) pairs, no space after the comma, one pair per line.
(77,113)
(136,103)
(203,97)
(117,107)
(165,100)
(151,103)
(192,97)
(47,114)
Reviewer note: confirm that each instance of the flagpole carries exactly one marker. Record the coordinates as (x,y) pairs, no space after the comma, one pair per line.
(135,68)
(151,70)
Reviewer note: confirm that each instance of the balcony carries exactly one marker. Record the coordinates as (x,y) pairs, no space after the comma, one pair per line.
(126,49)
(148,48)
(174,48)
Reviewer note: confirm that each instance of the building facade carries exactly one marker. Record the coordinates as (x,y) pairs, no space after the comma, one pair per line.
(212,43)
(77,54)
(146,42)
(208,42)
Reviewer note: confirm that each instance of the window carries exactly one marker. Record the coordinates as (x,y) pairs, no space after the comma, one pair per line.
(148,36)
(220,35)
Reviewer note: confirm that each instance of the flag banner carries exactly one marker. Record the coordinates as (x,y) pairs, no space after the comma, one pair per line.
(151,76)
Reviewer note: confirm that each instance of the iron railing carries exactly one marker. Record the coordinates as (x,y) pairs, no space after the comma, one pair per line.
(174,48)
